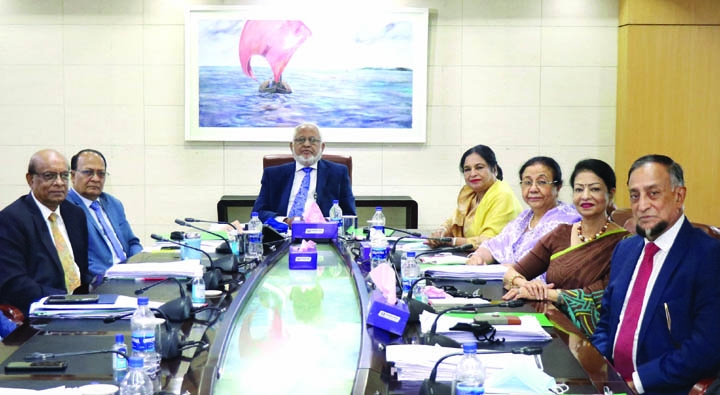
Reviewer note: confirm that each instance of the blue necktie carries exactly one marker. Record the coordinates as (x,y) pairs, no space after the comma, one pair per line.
(298,205)
(109,233)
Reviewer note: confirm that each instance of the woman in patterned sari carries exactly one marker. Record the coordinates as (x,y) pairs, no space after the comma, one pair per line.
(576,257)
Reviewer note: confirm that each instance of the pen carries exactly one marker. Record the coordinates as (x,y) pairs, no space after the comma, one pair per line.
(667,318)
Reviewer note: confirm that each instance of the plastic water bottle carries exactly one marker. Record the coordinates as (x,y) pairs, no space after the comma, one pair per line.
(198,290)
(378,248)
(136,381)
(142,325)
(378,220)
(255,247)
(119,363)
(409,272)
(336,215)
(470,372)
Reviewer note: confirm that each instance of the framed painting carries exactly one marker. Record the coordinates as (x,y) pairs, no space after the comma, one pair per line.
(254,73)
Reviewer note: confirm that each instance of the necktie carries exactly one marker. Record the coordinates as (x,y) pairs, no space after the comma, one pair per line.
(298,205)
(72,273)
(109,233)
(624,345)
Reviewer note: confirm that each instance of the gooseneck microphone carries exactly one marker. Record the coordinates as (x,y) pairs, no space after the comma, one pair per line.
(212,263)
(43,356)
(176,310)
(221,249)
(211,222)
(417,236)
(432,338)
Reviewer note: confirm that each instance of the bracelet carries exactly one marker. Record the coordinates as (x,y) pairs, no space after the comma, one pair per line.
(511,282)
(453,241)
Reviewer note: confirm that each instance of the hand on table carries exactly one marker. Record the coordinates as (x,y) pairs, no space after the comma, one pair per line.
(531,290)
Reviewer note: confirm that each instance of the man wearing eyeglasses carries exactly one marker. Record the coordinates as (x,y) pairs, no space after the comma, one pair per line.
(111,240)
(287,190)
(43,238)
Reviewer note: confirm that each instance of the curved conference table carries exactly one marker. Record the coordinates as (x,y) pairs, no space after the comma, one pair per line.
(288,331)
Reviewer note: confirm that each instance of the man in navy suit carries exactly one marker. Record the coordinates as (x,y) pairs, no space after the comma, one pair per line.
(111,240)
(43,238)
(277,202)
(660,315)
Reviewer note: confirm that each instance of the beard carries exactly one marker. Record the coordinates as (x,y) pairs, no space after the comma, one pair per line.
(307,161)
(652,233)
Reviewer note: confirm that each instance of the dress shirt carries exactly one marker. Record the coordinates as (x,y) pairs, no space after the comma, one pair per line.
(664,242)
(61,224)
(297,181)
(87,203)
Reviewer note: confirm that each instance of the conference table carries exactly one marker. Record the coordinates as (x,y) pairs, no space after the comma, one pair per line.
(285,331)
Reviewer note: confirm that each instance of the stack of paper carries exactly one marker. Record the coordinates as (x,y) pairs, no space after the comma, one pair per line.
(185,268)
(120,305)
(485,272)
(528,331)
(415,362)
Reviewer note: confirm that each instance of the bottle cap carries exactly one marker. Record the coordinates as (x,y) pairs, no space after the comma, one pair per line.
(143,301)
(378,208)
(469,348)
(335,201)
(411,254)
(119,338)
(254,214)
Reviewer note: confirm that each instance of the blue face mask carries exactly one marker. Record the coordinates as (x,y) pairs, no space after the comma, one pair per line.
(522,379)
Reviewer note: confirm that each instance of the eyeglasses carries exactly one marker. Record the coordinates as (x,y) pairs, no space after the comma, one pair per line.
(311,140)
(539,183)
(50,176)
(91,173)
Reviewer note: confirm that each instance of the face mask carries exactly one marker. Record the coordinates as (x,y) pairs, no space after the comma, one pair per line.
(523,379)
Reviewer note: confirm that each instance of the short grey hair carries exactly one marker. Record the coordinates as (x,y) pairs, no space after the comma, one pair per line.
(673,168)
(306,125)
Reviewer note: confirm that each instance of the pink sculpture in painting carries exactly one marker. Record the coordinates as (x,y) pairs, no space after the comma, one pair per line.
(276,41)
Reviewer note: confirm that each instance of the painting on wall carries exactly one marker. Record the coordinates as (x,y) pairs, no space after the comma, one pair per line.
(254,73)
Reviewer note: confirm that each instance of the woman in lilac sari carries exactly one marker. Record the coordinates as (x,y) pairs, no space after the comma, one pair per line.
(540,181)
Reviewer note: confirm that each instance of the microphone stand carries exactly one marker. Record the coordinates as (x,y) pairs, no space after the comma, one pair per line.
(176,310)
(464,247)
(211,222)
(211,276)
(43,356)
(227,249)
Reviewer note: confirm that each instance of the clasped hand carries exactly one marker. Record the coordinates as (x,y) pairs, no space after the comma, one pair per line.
(532,290)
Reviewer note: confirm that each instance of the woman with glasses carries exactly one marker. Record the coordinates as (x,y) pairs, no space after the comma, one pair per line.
(540,183)
(576,256)
(485,203)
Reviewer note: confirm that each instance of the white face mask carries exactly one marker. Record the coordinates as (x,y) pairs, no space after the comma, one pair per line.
(521,379)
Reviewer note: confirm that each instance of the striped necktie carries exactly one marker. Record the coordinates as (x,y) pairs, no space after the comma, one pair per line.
(109,232)
(72,272)
(298,206)
(623,350)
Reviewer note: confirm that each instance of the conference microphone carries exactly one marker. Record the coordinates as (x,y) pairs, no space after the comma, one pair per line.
(206,276)
(44,356)
(417,236)
(431,338)
(431,387)
(416,307)
(464,247)
(220,249)
(176,310)
(211,222)
(407,232)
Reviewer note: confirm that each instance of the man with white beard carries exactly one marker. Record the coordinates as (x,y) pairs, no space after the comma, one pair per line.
(289,188)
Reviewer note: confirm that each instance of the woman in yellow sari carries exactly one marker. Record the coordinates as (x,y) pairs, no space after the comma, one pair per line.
(576,256)
(485,203)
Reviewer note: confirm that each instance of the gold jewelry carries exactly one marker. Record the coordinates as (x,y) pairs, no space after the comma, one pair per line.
(591,238)
(511,282)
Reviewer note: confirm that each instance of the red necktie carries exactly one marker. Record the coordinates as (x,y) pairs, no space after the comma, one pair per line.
(626,333)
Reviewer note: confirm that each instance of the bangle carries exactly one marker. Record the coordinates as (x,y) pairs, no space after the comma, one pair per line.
(453,241)
(511,282)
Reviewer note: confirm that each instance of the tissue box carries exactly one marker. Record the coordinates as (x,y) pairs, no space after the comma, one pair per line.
(324,230)
(391,318)
(303,260)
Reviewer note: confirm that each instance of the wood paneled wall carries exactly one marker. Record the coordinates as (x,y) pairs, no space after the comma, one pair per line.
(669,94)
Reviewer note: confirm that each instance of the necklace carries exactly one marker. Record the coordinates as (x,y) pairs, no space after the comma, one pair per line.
(529,225)
(582,237)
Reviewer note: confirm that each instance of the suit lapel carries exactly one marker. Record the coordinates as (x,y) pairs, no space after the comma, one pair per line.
(322,176)
(42,229)
(672,262)
(288,173)
(75,198)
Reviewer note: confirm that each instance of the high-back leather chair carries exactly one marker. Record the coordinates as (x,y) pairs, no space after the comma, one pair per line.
(279,159)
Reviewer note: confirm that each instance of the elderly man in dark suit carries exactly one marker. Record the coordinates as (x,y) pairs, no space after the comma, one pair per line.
(660,318)
(43,238)
(288,189)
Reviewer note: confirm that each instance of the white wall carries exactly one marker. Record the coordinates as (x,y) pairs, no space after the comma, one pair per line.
(527,77)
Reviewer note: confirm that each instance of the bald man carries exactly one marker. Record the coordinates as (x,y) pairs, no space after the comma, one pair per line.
(43,237)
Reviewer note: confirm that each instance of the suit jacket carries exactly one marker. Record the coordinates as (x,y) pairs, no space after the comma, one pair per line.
(30,267)
(671,356)
(100,257)
(333,182)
